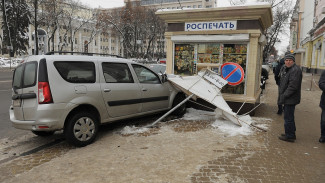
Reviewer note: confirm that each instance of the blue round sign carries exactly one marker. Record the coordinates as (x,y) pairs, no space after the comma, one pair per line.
(233,73)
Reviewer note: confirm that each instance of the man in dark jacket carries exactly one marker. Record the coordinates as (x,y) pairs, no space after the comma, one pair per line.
(289,95)
(321,84)
(276,73)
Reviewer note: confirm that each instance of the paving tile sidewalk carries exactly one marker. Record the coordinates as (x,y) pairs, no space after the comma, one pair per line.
(190,151)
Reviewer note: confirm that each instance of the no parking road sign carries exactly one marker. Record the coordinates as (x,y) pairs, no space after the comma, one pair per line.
(233,73)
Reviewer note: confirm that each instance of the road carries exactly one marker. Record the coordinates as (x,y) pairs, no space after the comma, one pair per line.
(6,130)
(14,142)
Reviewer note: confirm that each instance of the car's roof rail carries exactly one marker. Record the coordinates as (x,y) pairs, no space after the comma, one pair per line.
(81,53)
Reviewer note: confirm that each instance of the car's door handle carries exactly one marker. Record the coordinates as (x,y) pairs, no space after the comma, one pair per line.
(24,96)
(144,89)
(107,90)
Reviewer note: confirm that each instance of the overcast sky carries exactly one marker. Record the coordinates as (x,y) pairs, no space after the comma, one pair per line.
(119,3)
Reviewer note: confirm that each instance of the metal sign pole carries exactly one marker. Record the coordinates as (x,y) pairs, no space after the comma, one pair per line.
(170,111)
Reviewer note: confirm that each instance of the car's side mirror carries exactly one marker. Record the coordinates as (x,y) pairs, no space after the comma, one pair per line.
(163,77)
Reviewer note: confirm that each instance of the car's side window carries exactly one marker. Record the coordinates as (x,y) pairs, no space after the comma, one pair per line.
(117,73)
(76,72)
(145,75)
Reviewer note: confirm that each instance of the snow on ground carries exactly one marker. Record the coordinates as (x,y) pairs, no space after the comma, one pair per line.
(128,130)
(194,114)
(8,65)
(5,63)
(219,123)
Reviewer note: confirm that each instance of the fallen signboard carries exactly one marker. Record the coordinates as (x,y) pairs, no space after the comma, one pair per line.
(206,85)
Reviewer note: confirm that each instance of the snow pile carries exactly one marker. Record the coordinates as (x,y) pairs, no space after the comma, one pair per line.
(220,123)
(227,126)
(194,115)
(129,130)
(232,129)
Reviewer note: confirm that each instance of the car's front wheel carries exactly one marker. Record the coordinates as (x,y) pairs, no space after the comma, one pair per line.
(81,129)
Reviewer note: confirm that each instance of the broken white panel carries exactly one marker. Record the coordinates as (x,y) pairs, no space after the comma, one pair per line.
(207,89)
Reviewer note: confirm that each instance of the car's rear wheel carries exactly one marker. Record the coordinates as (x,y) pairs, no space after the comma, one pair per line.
(181,110)
(43,133)
(81,129)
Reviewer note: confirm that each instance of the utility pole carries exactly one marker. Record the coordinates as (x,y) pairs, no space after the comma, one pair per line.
(3,18)
(36,27)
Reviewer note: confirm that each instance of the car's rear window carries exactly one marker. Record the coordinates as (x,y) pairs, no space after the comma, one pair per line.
(25,75)
(76,72)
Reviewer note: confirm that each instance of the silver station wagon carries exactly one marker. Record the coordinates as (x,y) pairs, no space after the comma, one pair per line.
(78,93)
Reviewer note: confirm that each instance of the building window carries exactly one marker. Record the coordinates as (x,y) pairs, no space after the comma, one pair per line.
(194,6)
(200,6)
(313,61)
(209,6)
(323,54)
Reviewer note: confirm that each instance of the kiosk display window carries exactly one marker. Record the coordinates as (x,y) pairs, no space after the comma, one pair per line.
(209,53)
(184,59)
(191,58)
(236,53)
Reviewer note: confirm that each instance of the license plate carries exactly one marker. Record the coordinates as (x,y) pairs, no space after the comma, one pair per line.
(17,103)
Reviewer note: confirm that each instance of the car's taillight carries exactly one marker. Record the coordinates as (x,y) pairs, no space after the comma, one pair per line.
(44,93)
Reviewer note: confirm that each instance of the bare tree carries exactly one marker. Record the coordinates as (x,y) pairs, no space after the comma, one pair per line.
(139,28)
(74,17)
(50,12)
(237,2)
(281,13)
(282,10)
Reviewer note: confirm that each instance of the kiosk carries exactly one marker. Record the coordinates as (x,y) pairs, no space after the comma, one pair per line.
(209,38)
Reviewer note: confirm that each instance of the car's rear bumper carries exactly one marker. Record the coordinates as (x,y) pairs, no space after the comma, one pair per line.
(47,119)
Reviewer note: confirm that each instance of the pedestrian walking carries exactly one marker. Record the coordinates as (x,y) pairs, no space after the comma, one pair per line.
(276,73)
(321,84)
(274,65)
(289,95)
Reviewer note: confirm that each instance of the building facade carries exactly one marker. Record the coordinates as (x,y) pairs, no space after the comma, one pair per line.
(86,38)
(307,35)
(77,33)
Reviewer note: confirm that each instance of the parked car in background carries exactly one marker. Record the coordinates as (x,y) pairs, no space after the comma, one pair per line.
(78,93)
(264,74)
(267,67)
(158,68)
(162,61)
